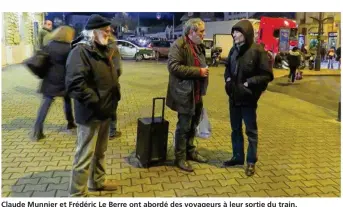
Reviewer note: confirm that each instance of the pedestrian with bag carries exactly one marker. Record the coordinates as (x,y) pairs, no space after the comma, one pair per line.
(187,79)
(53,78)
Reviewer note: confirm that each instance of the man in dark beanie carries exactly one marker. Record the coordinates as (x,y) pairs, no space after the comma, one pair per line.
(91,80)
(247,75)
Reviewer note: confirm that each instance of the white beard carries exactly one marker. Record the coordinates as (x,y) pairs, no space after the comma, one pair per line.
(103,41)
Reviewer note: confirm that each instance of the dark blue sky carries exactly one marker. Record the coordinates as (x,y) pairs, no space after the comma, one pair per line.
(149,18)
(148,15)
(145,17)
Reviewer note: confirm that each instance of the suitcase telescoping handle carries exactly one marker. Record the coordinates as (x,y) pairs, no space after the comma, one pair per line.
(153,107)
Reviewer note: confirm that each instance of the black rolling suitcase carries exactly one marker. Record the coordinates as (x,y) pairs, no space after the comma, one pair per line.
(152,138)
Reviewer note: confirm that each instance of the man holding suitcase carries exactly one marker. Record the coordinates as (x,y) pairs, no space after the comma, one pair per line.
(187,84)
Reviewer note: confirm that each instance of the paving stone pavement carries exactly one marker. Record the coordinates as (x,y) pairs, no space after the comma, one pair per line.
(299,144)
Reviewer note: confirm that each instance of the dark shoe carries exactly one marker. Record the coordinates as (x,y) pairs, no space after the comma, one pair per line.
(71,125)
(109,185)
(37,135)
(184,165)
(115,134)
(232,162)
(197,158)
(250,170)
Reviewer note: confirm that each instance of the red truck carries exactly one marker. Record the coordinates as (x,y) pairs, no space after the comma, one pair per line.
(268,30)
(276,32)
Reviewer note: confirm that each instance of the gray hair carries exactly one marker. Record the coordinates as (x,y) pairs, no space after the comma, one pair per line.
(88,35)
(192,24)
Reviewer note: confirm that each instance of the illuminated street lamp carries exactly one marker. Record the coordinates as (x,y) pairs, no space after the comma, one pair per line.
(158,16)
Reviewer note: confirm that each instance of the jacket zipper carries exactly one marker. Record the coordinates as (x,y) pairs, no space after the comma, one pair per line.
(236,79)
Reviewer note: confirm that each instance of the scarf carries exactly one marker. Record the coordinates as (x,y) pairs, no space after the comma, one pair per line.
(196,63)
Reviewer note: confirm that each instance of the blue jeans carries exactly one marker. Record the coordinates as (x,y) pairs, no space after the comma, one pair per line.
(292,72)
(248,114)
(330,64)
(44,109)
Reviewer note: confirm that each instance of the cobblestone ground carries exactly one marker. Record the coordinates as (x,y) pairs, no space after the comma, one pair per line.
(299,144)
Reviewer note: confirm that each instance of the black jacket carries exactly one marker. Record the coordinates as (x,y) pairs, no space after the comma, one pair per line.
(338,53)
(294,59)
(53,83)
(92,82)
(182,75)
(249,63)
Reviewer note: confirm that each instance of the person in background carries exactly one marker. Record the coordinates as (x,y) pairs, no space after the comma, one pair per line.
(270,56)
(323,53)
(303,49)
(53,84)
(294,58)
(338,56)
(331,57)
(44,33)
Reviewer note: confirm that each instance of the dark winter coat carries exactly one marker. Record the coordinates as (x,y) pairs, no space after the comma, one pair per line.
(294,58)
(182,76)
(247,63)
(53,84)
(41,35)
(338,53)
(92,82)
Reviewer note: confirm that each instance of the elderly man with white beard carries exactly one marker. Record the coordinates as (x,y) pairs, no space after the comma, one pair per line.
(92,81)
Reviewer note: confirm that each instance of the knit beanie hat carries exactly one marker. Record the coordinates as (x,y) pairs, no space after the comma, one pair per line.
(96,21)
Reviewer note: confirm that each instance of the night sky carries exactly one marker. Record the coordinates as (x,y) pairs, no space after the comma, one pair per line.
(149,18)
(145,17)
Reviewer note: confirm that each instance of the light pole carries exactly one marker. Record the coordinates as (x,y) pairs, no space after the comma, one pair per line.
(173,26)
(319,38)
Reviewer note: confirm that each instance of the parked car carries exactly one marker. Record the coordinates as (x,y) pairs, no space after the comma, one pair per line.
(161,48)
(129,49)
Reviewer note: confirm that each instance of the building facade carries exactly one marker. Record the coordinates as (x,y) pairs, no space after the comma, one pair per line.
(237,15)
(20,30)
(308,29)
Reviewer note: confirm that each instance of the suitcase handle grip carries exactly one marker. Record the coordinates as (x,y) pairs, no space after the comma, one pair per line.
(153,107)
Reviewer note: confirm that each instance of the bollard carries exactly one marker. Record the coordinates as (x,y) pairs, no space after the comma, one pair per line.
(339,112)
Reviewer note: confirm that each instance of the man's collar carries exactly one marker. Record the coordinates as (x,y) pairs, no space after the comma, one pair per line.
(46,29)
(240,44)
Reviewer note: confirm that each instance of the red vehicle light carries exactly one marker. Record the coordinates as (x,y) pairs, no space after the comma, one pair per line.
(293,43)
